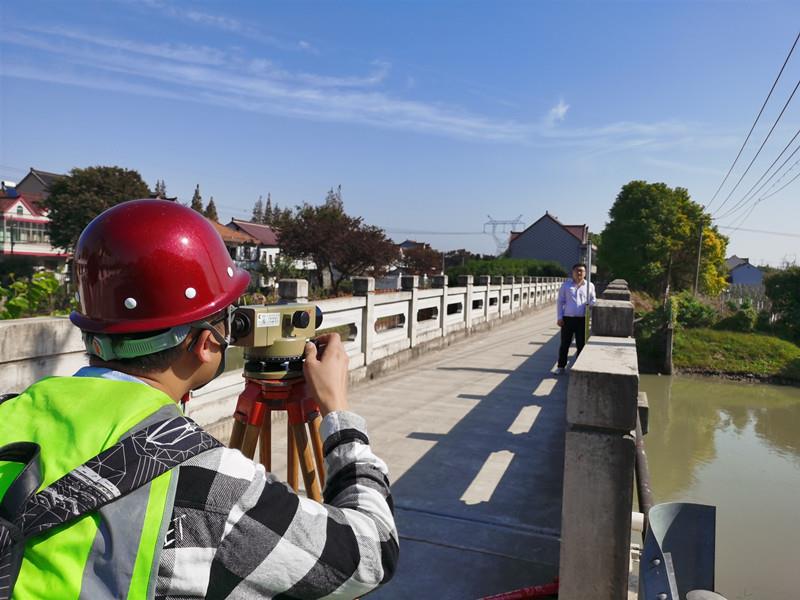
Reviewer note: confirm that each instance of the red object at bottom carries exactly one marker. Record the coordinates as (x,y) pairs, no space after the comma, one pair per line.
(536,591)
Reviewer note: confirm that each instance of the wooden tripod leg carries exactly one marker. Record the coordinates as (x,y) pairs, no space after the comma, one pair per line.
(237,435)
(292,462)
(265,442)
(250,440)
(316,442)
(306,462)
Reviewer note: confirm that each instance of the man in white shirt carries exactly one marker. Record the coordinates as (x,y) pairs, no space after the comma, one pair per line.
(573,298)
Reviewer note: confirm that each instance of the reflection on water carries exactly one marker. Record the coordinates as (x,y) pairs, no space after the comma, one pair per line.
(737,446)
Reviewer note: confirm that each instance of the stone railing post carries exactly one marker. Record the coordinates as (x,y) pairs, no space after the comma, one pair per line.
(498,280)
(599,459)
(485,280)
(410,283)
(466,281)
(509,281)
(292,290)
(440,282)
(365,286)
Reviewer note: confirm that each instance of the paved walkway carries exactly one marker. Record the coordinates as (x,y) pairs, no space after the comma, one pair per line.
(474,439)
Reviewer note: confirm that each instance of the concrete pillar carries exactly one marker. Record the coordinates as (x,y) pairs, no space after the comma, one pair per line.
(466,281)
(440,281)
(599,461)
(616,293)
(508,282)
(365,286)
(612,318)
(485,280)
(292,290)
(410,283)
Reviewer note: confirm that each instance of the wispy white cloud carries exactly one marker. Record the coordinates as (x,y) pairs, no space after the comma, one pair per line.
(557,113)
(231,78)
(227,24)
(678,166)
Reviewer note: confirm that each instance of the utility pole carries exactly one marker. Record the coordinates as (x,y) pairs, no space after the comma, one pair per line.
(699,252)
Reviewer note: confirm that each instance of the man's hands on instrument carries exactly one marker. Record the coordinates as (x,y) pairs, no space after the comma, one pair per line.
(326,372)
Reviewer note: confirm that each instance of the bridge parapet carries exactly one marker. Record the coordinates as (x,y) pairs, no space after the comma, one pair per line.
(385,330)
(600,455)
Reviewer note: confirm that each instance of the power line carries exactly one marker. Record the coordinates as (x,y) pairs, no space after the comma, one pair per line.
(749,133)
(404,232)
(760,147)
(781,233)
(747,197)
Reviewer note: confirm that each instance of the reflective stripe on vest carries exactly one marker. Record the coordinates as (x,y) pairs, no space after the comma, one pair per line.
(113,553)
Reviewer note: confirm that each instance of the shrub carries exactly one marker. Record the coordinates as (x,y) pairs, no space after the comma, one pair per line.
(743,320)
(517,267)
(694,313)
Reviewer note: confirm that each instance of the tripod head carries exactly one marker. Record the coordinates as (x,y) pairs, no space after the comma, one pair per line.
(274,338)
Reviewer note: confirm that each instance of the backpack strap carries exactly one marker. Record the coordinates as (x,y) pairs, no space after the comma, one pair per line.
(127,465)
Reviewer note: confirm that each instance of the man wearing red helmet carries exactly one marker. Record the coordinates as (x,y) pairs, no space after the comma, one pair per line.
(155,287)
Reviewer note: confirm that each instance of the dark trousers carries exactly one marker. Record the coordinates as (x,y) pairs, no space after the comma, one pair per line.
(572,326)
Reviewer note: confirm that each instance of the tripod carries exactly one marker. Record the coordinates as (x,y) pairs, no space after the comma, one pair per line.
(253,424)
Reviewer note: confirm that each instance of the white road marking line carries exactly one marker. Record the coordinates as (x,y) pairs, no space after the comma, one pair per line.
(545,387)
(525,419)
(487,479)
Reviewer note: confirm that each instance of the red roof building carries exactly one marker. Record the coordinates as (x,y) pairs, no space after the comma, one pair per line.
(24,231)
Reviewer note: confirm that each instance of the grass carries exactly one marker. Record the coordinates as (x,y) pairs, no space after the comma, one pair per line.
(737,354)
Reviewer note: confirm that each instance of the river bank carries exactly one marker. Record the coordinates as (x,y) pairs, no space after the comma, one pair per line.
(753,357)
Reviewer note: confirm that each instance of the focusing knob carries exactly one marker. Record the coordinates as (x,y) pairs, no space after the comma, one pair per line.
(300,319)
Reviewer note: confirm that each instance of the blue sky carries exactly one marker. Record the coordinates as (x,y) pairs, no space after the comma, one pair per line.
(431,115)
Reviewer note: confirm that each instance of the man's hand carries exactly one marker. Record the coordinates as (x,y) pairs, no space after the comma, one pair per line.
(560,322)
(326,373)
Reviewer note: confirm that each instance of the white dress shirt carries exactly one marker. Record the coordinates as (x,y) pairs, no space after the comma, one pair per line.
(572,299)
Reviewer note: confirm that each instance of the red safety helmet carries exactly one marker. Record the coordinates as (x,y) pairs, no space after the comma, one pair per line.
(146,265)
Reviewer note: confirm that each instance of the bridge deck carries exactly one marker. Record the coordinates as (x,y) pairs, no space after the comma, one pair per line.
(474,439)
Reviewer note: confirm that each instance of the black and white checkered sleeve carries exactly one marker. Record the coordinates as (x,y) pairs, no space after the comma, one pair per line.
(240,533)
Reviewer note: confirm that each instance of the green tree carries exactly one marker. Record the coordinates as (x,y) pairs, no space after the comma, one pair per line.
(258,211)
(422,260)
(211,210)
(29,297)
(79,197)
(197,200)
(341,246)
(652,240)
(160,190)
(783,289)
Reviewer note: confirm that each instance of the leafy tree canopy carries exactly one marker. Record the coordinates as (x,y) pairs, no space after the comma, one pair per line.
(652,240)
(340,245)
(197,200)
(783,289)
(422,260)
(211,210)
(79,197)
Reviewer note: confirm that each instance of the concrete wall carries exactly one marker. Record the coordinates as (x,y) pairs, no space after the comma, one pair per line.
(35,348)
(600,454)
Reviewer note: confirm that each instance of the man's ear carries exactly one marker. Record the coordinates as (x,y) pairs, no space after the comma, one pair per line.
(203,346)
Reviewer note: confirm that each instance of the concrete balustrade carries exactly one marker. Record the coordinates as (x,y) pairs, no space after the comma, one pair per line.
(385,330)
(600,455)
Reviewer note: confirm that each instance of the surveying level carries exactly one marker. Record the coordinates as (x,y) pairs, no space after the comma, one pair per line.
(274,338)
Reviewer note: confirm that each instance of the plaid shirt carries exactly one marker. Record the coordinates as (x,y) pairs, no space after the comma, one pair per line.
(238,532)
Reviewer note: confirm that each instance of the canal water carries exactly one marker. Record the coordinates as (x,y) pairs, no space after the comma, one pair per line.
(737,446)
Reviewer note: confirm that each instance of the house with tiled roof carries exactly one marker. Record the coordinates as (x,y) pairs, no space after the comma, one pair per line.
(24,232)
(36,184)
(267,239)
(741,272)
(549,239)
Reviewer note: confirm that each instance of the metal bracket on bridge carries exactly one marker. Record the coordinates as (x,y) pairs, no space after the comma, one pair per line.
(677,561)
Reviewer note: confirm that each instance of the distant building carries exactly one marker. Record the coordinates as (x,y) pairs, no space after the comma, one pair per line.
(267,239)
(549,239)
(741,272)
(24,232)
(36,184)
